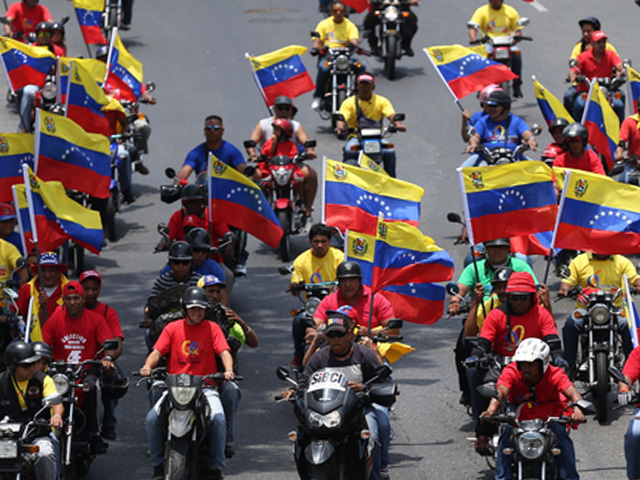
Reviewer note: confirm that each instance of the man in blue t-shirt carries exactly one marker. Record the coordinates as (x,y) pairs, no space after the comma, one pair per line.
(490,130)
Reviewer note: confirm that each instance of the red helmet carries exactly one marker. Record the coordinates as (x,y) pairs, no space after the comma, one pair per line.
(285,125)
(552,151)
(486,91)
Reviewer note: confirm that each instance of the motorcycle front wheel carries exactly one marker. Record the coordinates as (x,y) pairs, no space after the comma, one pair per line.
(111,217)
(390,59)
(284,248)
(601,391)
(176,461)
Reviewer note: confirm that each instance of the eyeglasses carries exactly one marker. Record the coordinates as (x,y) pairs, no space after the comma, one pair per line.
(213,127)
(283,107)
(180,262)
(520,298)
(44,33)
(336,334)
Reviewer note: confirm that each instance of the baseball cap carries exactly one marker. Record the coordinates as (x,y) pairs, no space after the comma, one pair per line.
(90,274)
(367,78)
(598,35)
(73,287)
(207,280)
(337,324)
(6,212)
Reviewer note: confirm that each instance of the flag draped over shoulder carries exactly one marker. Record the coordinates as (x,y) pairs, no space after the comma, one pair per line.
(603,125)
(236,200)
(124,76)
(598,214)
(85,100)
(508,200)
(464,70)
(16,150)
(550,106)
(24,64)
(65,152)
(281,72)
(89,13)
(354,198)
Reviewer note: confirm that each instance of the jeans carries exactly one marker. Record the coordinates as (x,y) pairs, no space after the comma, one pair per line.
(378,423)
(298,329)
(516,67)
(569,98)
(55,443)
(230,395)
(215,436)
(632,446)
(388,155)
(109,420)
(566,461)
(579,104)
(27,98)
(474,160)
(46,465)
(574,327)
(629,174)
(124,168)
(127,8)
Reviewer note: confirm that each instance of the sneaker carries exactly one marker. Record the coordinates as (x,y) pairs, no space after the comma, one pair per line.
(307,222)
(125,26)
(97,446)
(409,52)
(315,105)
(214,474)
(127,197)
(109,434)
(229,451)
(483,445)
(240,270)
(517,91)
(384,474)
(140,167)
(158,472)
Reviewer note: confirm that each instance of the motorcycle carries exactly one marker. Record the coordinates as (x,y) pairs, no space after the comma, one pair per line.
(633,177)
(332,439)
(13,326)
(111,17)
(140,123)
(609,86)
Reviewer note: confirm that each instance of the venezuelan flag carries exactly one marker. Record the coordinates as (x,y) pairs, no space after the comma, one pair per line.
(85,101)
(633,78)
(533,244)
(598,214)
(65,152)
(355,197)
(603,125)
(25,64)
(16,150)
(464,70)
(550,106)
(365,162)
(421,303)
(236,200)
(89,13)
(96,68)
(361,248)
(124,78)
(508,200)
(282,72)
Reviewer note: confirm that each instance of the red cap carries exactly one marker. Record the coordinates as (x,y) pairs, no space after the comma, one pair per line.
(90,274)
(6,212)
(521,282)
(598,35)
(366,77)
(72,287)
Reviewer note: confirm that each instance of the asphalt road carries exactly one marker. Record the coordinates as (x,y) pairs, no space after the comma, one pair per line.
(195,53)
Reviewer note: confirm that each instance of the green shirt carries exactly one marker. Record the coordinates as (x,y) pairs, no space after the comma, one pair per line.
(468,276)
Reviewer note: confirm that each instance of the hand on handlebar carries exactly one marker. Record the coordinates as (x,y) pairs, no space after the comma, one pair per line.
(145,371)
(624,396)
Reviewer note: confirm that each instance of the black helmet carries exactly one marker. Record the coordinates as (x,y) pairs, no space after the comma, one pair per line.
(592,20)
(558,123)
(501,275)
(576,130)
(192,192)
(20,352)
(57,26)
(349,269)
(498,242)
(102,51)
(499,97)
(195,297)
(199,238)
(43,26)
(180,251)
(283,100)
(43,350)
(114,386)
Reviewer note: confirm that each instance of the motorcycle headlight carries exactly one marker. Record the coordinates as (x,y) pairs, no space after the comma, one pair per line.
(62,383)
(530,445)
(391,14)
(600,314)
(315,420)
(282,176)
(330,420)
(183,395)
(342,62)
(8,449)
(49,91)
(311,305)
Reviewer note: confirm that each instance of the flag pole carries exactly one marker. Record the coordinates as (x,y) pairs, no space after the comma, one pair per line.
(586,107)
(324,188)
(19,217)
(455,99)
(255,77)
(630,101)
(29,325)
(210,183)
(112,40)
(555,228)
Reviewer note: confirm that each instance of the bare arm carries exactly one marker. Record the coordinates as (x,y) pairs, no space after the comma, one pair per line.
(151,362)
(256,136)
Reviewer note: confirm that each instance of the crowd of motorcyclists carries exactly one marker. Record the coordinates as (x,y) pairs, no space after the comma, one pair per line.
(509,341)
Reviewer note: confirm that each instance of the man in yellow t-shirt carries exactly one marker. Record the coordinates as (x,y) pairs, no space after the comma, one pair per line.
(334,31)
(9,256)
(498,20)
(316,265)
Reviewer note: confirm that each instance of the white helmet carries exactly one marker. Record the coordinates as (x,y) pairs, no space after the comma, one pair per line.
(532,349)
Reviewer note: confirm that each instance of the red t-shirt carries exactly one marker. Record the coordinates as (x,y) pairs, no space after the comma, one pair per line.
(192,348)
(536,323)
(382,309)
(589,162)
(176,229)
(26,19)
(75,339)
(632,365)
(110,315)
(629,133)
(591,68)
(543,400)
(288,149)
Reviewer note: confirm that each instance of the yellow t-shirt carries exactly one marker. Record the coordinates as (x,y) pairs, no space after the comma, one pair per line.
(489,304)
(374,110)
(48,387)
(9,255)
(311,269)
(496,23)
(337,34)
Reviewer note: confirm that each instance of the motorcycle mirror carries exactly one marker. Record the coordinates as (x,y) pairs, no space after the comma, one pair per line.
(53,399)
(249,144)
(395,324)
(314,34)
(585,405)
(383,371)
(523,21)
(285,269)
(573,63)
(283,373)
(31,38)
(310,144)
(399,117)
(627,62)
(65,19)
(4,20)
(536,129)
(617,374)
(453,217)
(452,288)
(170,193)
(163,228)
(617,169)
(21,263)
(110,344)
(170,172)
(10,295)
(151,86)
(249,171)
(487,390)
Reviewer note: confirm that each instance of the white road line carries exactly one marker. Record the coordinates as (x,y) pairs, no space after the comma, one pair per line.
(538,6)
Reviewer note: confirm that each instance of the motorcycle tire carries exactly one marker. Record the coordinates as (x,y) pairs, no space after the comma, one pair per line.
(390,59)
(324,471)
(76,252)
(113,17)
(111,219)
(68,472)
(601,392)
(342,96)
(284,247)
(176,461)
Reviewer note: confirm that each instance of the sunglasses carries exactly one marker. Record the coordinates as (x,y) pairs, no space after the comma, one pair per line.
(180,262)
(27,365)
(335,334)
(283,107)
(520,298)
(213,127)
(44,34)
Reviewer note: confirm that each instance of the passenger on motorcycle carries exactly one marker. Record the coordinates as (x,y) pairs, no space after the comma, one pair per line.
(578,156)
(180,263)
(279,143)
(22,389)
(23,17)
(209,344)
(597,62)
(469,120)
(556,130)
(366,109)
(316,265)
(631,372)
(629,141)
(497,19)
(9,256)
(8,222)
(609,270)
(335,31)
(536,390)
(409,25)
(499,129)
(57,37)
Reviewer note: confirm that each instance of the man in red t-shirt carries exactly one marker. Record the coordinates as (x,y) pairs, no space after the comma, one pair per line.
(23,17)
(631,372)
(578,156)
(192,346)
(537,390)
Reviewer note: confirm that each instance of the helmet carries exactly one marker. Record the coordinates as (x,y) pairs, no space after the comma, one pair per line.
(43,26)
(285,125)
(102,51)
(195,297)
(499,97)
(180,251)
(558,123)
(20,352)
(532,349)
(199,238)
(191,192)
(498,242)
(348,269)
(501,275)
(592,20)
(57,26)
(551,152)
(283,100)
(114,386)
(486,91)
(576,130)
(43,350)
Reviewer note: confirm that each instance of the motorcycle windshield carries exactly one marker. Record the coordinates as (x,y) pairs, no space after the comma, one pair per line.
(327,390)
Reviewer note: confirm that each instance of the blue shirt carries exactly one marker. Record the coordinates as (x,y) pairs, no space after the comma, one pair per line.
(208,267)
(476,117)
(15,240)
(226,153)
(492,134)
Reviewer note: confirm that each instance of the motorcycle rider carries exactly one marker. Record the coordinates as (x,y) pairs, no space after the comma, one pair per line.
(578,156)
(316,265)
(9,256)
(335,31)
(57,37)
(22,388)
(597,62)
(8,222)
(557,147)
(209,343)
(496,20)
(469,120)
(533,386)
(180,263)
(499,129)
(609,270)
(409,25)
(23,17)
(629,141)
(631,372)
(366,109)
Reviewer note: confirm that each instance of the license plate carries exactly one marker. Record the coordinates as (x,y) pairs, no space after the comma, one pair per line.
(8,449)
(372,147)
